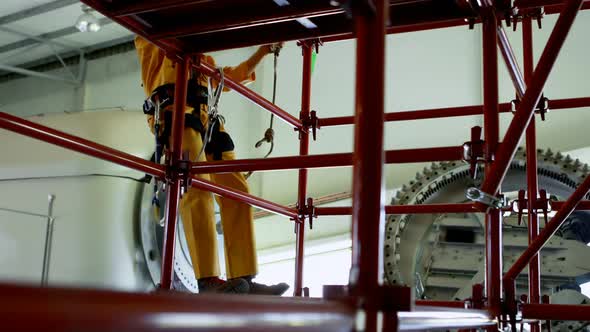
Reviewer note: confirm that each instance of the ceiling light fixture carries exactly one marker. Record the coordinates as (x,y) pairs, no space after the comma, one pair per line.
(87,22)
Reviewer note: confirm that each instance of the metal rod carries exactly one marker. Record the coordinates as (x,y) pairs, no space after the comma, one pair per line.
(26,213)
(75,143)
(174,183)
(511,62)
(532,176)
(434,113)
(406,209)
(302,185)
(48,242)
(491,118)
(139,7)
(252,96)
(403,29)
(34,309)
(435,318)
(550,228)
(526,107)
(444,304)
(33,73)
(367,177)
(448,112)
(556,312)
(327,160)
(240,196)
(257,17)
(583,205)
(569,103)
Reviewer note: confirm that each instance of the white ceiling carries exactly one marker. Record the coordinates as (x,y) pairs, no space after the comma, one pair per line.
(57,21)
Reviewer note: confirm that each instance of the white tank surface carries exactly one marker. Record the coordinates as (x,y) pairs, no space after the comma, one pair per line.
(95,238)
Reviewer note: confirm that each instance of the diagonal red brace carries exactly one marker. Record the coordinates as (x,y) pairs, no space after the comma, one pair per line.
(568,207)
(529,102)
(78,144)
(252,96)
(244,197)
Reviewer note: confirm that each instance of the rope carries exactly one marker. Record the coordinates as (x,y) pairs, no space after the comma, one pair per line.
(269,134)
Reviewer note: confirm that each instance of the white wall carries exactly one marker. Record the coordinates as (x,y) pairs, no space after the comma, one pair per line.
(424,70)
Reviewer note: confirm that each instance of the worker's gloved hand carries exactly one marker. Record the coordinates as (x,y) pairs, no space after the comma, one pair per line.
(272,48)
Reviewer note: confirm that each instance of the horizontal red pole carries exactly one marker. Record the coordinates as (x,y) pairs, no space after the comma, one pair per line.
(334,211)
(276,163)
(583,205)
(448,112)
(433,113)
(61,309)
(448,153)
(555,6)
(78,144)
(256,17)
(251,95)
(550,228)
(569,103)
(446,304)
(556,312)
(406,209)
(433,208)
(138,7)
(244,197)
(326,160)
(403,29)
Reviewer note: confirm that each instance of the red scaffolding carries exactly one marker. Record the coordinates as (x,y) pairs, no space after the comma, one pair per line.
(219,24)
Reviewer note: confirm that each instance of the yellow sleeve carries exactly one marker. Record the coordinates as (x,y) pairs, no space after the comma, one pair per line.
(241,73)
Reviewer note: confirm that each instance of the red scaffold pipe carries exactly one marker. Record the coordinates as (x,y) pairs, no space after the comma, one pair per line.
(526,107)
(406,209)
(447,153)
(78,144)
(434,113)
(252,96)
(173,190)
(556,312)
(532,175)
(26,309)
(564,211)
(243,197)
(444,304)
(302,180)
(367,173)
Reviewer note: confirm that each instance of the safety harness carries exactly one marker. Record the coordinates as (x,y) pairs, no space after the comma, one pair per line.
(215,142)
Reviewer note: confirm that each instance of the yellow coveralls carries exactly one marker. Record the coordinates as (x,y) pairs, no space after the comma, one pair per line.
(196,206)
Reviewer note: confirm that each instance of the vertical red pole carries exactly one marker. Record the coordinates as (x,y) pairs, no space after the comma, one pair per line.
(367,187)
(493,224)
(303,151)
(173,188)
(532,177)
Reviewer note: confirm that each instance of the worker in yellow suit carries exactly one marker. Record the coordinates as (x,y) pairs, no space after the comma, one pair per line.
(196,206)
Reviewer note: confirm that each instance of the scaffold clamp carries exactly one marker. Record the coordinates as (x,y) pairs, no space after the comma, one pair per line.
(473,151)
(542,107)
(311,122)
(179,170)
(477,195)
(307,212)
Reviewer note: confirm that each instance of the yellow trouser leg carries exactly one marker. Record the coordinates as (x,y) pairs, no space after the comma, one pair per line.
(238,230)
(198,217)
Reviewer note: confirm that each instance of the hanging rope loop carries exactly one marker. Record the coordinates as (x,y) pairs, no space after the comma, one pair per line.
(269,134)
